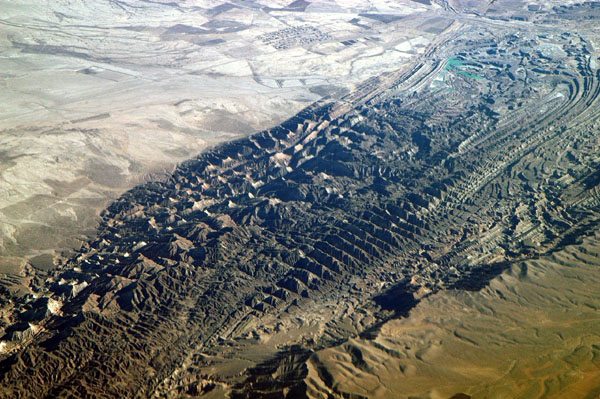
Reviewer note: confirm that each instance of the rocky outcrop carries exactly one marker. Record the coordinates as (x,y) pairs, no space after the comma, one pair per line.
(344,221)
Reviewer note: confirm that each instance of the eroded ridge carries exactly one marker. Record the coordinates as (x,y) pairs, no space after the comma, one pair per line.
(252,256)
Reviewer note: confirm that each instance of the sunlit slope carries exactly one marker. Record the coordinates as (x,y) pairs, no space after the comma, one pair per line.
(534,332)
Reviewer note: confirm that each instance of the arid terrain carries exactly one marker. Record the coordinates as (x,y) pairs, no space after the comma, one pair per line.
(421,223)
(532,333)
(98,96)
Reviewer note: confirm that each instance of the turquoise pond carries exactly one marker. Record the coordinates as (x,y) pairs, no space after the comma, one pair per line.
(454,65)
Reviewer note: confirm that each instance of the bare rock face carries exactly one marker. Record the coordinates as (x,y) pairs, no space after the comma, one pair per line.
(255,255)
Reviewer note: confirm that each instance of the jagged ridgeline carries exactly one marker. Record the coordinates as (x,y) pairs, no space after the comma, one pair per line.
(227,275)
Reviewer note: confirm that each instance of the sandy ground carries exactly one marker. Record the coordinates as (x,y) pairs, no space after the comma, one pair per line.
(533,333)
